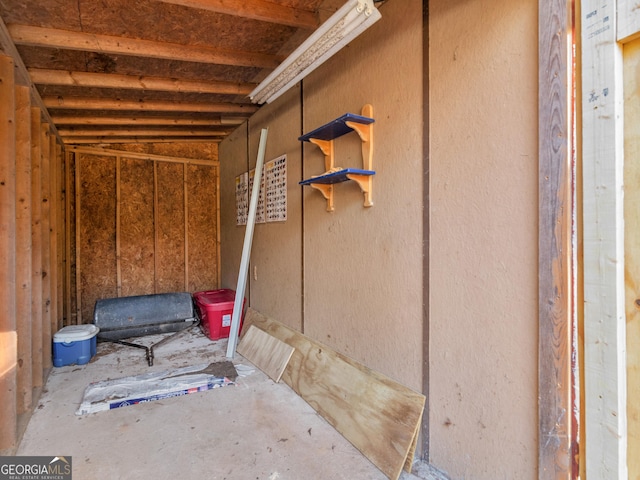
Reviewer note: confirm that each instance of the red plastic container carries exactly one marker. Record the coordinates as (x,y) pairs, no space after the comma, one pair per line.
(216,308)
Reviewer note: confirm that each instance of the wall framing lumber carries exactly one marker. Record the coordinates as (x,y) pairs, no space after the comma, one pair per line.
(45,173)
(77,241)
(118,229)
(53,231)
(69,315)
(628,20)
(23,248)
(218,236)
(8,335)
(22,75)
(156,230)
(556,282)
(604,309)
(36,249)
(631,252)
(60,233)
(185,177)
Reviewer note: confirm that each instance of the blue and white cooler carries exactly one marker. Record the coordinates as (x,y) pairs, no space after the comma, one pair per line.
(74,344)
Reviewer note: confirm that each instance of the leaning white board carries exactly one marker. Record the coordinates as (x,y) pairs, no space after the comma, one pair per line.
(246,249)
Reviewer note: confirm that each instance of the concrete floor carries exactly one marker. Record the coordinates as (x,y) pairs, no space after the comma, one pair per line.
(255,429)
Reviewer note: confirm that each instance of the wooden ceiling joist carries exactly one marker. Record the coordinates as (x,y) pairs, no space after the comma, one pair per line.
(88,42)
(132,82)
(22,76)
(257,10)
(117,140)
(83,103)
(133,121)
(148,132)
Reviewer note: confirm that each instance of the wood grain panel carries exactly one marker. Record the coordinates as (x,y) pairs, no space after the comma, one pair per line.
(136,227)
(171,228)
(378,416)
(202,227)
(268,353)
(97,231)
(555,255)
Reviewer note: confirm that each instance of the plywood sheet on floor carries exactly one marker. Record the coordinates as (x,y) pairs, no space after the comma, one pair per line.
(376,414)
(257,429)
(266,352)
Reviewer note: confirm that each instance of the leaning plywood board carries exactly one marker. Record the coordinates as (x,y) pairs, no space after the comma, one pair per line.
(377,415)
(266,352)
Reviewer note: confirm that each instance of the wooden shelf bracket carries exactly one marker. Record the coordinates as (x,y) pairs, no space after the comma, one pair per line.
(324,137)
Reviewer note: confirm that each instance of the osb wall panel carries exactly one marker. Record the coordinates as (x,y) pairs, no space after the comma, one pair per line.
(136,227)
(170,236)
(140,240)
(97,231)
(202,195)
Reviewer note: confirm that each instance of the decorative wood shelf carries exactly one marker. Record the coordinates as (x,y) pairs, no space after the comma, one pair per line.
(339,176)
(336,128)
(324,137)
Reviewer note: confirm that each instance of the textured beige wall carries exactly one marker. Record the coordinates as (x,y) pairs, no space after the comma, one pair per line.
(233,162)
(353,278)
(363,266)
(483,277)
(276,256)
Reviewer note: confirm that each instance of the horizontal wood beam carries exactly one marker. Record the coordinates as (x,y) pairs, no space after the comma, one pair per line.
(85,103)
(22,76)
(89,42)
(142,156)
(182,132)
(133,82)
(133,121)
(118,140)
(256,10)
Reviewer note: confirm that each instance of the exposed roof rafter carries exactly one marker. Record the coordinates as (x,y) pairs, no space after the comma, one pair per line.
(133,82)
(257,10)
(84,103)
(90,42)
(22,76)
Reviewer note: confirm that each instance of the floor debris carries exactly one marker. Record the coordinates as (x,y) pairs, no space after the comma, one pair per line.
(148,387)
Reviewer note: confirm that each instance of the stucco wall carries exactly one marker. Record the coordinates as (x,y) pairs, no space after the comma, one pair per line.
(483,240)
